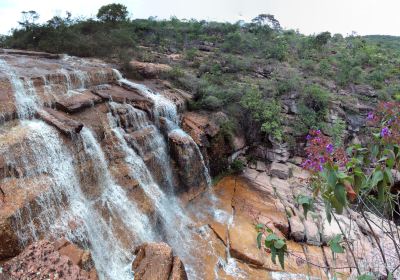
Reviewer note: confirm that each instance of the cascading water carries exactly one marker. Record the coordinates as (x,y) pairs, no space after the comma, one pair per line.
(174,223)
(115,199)
(25,98)
(154,143)
(163,107)
(66,202)
(98,219)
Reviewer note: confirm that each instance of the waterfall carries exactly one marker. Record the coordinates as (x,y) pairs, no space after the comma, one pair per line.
(45,153)
(67,79)
(175,224)
(165,108)
(154,142)
(116,201)
(25,96)
(82,77)
(97,213)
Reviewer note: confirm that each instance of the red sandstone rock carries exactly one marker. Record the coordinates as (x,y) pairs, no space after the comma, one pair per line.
(122,95)
(156,261)
(60,121)
(188,164)
(77,103)
(42,260)
(149,70)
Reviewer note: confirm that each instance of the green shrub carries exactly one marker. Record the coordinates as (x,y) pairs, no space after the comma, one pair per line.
(338,129)
(211,103)
(313,107)
(267,112)
(237,166)
(287,85)
(191,54)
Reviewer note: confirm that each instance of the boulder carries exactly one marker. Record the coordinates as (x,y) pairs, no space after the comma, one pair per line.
(312,232)
(60,121)
(78,256)
(149,70)
(280,170)
(16,209)
(123,95)
(199,126)
(75,103)
(156,261)
(260,166)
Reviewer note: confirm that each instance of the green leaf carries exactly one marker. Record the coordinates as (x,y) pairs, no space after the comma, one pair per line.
(334,244)
(328,209)
(331,178)
(376,178)
(389,176)
(336,204)
(365,277)
(390,162)
(341,175)
(281,258)
(259,226)
(278,244)
(273,254)
(340,194)
(381,191)
(272,237)
(374,151)
(259,237)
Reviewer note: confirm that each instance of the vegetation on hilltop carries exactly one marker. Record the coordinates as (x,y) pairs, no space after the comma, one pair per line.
(245,69)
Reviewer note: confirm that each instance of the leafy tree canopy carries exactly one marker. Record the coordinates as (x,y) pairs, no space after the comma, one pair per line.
(113,13)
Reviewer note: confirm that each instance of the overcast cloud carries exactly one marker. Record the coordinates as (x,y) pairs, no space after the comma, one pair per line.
(308,16)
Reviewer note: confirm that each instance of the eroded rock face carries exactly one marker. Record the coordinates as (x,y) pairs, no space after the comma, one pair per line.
(149,70)
(189,164)
(156,261)
(50,260)
(205,130)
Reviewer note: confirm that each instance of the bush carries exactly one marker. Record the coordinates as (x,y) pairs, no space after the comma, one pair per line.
(211,103)
(267,112)
(287,85)
(237,166)
(313,107)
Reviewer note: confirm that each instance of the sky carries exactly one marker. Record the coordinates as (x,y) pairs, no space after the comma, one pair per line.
(308,16)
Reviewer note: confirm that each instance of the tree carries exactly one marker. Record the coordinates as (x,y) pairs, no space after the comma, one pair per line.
(112,13)
(322,38)
(267,20)
(28,19)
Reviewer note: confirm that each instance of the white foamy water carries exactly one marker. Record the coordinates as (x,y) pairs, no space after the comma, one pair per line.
(65,203)
(174,224)
(25,96)
(163,107)
(154,142)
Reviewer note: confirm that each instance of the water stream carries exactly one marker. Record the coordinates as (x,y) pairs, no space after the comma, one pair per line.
(25,96)
(93,212)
